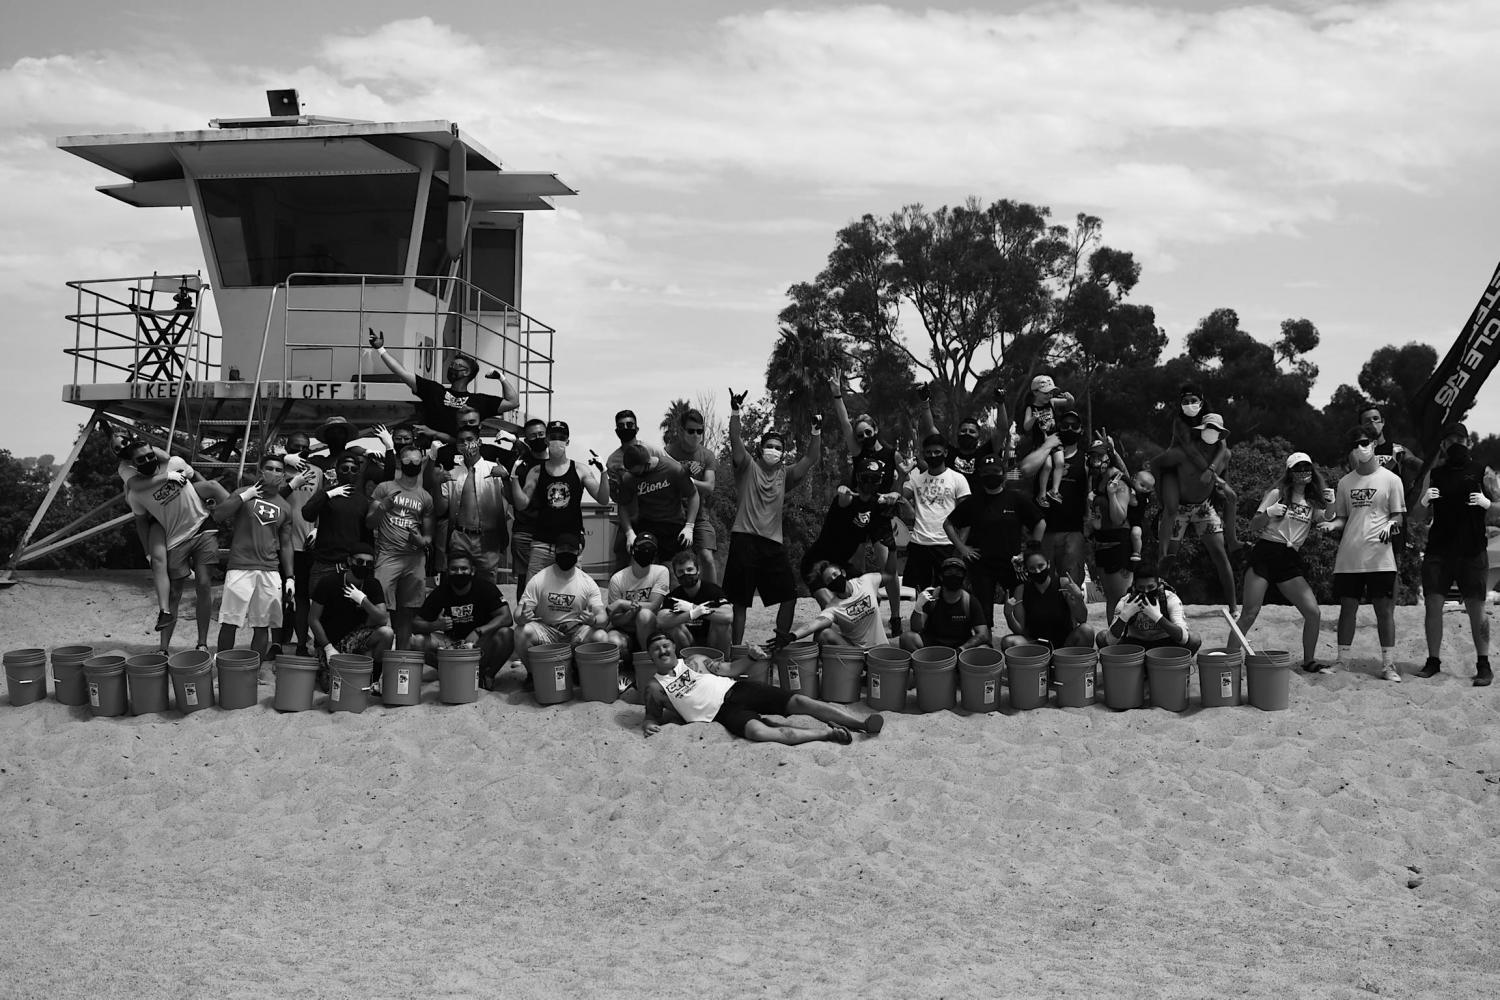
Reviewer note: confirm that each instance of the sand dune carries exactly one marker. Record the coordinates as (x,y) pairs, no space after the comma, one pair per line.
(1342,848)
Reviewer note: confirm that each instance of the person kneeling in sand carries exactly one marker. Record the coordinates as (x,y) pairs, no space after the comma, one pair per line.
(687,691)
(1151,615)
(466,611)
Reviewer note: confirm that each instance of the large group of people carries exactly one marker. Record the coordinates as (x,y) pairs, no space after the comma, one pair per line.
(333,549)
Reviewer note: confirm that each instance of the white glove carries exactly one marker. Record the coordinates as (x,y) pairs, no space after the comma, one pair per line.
(178,477)
(250,493)
(1328,496)
(384,436)
(630,539)
(929,595)
(289,588)
(330,651)
(340,491)
(1276,510)
(292,460)
(1479,500)
(354,593)
(1151,611)
(697,611)
(1127,609)
(1433,493)
(844,491)
(685,536)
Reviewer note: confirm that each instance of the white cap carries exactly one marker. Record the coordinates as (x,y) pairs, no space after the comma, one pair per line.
(1298,457)
(1043,383)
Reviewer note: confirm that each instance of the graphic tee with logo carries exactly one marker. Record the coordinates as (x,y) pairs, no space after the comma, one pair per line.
(1291,530)
(639,586)
(934,497)
(557,598)
(857,616)
(257,532)
(1369,504)
(175,506)
(400,524)
(465,610)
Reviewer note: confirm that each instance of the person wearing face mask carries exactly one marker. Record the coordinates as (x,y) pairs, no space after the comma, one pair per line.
(532,452)
(1282,524)
(948,615)
(561,603)
(1188,464)
(260,575)
(440,403)
(1389,454)
(164,493)
(337,510)
(1370,508)
(402,516)
(696,612)
(448,456)
(858,518)
(466,611)
(862,437)
(1063,540)
(627,430)
(758,561)
(1151,615)
(853,617)
(1116,522)
(971,441)
(1195,508)
(658,499)
(1038,419)
(301,484)
(123,443)
(396,440)
(1046,607)
(474,495)
(687,449)
(553,492)
(1459,492)
(933,493)
(348,613)
(635,595)
(988,530)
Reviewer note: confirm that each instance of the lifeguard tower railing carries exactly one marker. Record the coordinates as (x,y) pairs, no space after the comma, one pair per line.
(452,316)
(147,328)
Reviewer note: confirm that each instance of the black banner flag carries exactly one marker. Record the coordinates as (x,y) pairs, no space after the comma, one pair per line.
(1449,393)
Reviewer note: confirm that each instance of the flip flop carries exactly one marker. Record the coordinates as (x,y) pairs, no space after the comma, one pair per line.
(839,735)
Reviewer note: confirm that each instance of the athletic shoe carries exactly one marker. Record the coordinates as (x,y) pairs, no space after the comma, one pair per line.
(164,618)
(875,723)
(1431,667)
(1483,675)
(1390,674)
(1314,667)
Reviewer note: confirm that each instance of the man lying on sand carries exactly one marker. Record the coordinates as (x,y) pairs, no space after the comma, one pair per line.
(683,691)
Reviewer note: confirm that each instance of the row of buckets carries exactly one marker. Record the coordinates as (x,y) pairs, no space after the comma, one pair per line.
(113,684)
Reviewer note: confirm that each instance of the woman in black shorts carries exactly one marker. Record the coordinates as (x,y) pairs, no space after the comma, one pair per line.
(1282,524)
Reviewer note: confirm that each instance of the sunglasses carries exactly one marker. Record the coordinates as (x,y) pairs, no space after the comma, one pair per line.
(866,435)
(361,564)
(1191,399)
(1361,442)
(692,430)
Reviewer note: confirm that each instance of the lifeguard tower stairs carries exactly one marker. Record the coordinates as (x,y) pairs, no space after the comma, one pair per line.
(313,230)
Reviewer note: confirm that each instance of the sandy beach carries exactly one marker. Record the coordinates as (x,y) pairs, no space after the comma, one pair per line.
(1342,848)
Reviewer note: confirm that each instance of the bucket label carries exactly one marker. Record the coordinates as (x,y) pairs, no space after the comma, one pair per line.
(1088,685)
(336,688)
(190,693)
(989,691)
(403,681)
(874,685)
(1041,686)
(793,679)
(93,694)
(560,678)
(1226,684)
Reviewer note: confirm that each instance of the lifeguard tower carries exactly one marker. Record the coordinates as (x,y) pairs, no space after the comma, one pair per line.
(312,229)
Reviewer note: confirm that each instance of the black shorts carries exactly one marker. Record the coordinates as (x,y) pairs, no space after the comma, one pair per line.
(922,562)
(1364,586)
(1470,573)
(757,564)
(1276,561)
(1112,550)
(746,700)
(667,541)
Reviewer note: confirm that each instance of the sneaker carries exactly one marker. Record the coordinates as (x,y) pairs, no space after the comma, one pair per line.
(164,618)
(1431,667)
(1390,674)
(1483,675)
(1314,667)
(273,651)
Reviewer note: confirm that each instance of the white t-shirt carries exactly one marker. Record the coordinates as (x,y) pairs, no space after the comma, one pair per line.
(696,697)
(857,616)
(628,585)
(1290,529)
(174,505)
(1369,504)
(934,497)
(555,598)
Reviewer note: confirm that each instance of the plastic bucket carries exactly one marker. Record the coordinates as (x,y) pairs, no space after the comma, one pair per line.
(1026,675)
(401,675)
(69,686)
(1219,675)
(26,675)
(146,679)
(239,678)
(1124,669)
(644,670)
(105,677)
(549,666)
(349,682)
(797,668)
(1168,670)
(458,675)
(937,677)
(745,665)
(296,680)
(599,669)
(842,667)
(1073,675)
(887,667)
(979,679)
(1268,675)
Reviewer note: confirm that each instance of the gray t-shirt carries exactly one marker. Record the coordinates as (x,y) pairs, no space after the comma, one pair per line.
(762,494)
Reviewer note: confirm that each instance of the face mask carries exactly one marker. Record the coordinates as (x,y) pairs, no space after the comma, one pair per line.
(1302,475)
(460,581)
(644,554)
(470,449)
(361,571)
(147,466)
(1458,454)
(538,446)
(1363,453)
(557,449)
(1191,409)
(688,578)
(953,581)
(992,483)
(1069,435)
(457,373)
(968,438)
(771,456)
(566,560)
(408,469)
(1210,436)
(625,434)
(1039,573)
(936,461)
(838,583)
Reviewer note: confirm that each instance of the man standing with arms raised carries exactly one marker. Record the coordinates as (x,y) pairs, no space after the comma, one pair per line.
(441,403)
(686,448)
(757,557)
(553,492)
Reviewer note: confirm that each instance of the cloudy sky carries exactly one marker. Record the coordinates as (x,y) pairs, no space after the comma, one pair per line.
(1300,159)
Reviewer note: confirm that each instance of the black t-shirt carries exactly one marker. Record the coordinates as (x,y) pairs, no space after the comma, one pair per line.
(886,456)
(998,523)
(341,615)
(951,624)
(847,528)
(708,593)
(1069,515)
(1457,529)
(440,405)
(467,611)
(959,462)
(447,455)
(1048,614)
(524,463)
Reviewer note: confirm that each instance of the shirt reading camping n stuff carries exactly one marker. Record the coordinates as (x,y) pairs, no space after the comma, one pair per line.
(857,616)
(465,611)
(1369,504)
(400,524)
(555,598)
(174,505)
(934,497)
(638,585)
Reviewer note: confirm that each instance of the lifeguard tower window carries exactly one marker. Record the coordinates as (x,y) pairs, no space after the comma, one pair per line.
(266,228)
(492,263)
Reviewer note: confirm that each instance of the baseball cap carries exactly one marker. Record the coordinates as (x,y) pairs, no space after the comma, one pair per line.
(1296,458)
(1043,383)
(335,421)
(952,562)
(988,462)
(558,427)
(568,540)
(1354,434)
(1456,430)
(647,538)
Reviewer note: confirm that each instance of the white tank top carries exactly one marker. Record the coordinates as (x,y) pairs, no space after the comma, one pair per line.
(697,697)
